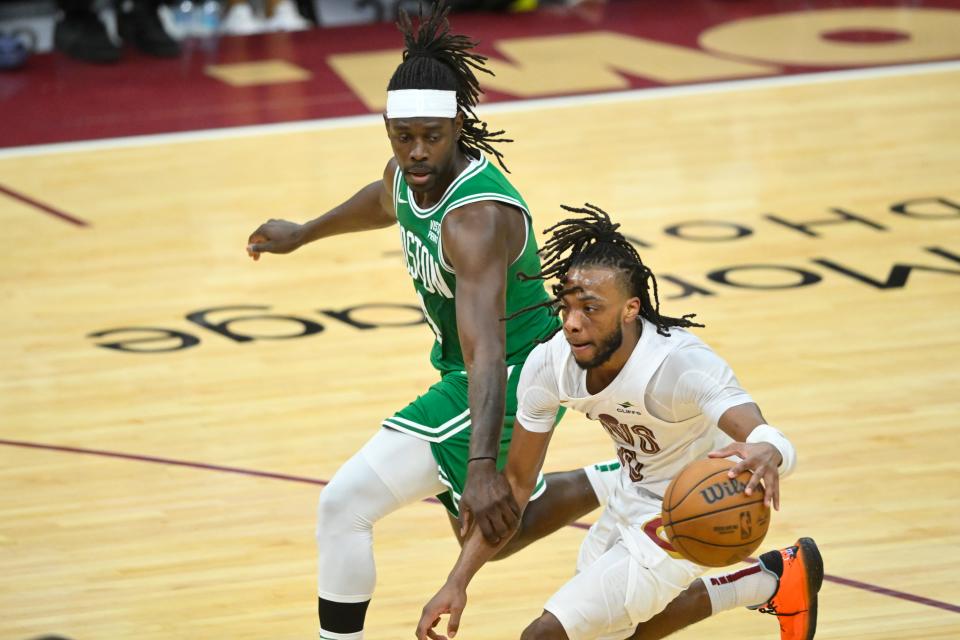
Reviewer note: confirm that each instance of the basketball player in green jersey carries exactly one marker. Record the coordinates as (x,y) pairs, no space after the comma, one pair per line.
(466,234)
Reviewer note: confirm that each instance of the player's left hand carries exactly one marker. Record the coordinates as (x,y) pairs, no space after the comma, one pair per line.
(488,500)
(450,599)
(760,458)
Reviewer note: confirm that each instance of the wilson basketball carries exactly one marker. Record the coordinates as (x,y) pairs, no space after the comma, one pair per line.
(708,518)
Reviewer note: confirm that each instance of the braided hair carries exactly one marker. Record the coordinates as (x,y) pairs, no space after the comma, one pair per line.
(434,58)
(594,241)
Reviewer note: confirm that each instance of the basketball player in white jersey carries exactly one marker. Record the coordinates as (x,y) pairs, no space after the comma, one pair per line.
(665,399)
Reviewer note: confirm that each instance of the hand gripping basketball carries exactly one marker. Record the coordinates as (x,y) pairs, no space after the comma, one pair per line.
(708,516)
(762,459)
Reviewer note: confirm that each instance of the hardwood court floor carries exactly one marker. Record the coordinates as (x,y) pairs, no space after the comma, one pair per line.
(141,544)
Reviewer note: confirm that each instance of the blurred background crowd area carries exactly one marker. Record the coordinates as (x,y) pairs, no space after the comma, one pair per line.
(93,30)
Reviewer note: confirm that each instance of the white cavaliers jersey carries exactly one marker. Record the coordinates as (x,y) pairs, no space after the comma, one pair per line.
(651,449)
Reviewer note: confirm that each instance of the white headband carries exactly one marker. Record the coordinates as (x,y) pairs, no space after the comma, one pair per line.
(421,103)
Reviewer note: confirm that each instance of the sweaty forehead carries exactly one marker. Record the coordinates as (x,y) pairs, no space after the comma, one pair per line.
(601,282)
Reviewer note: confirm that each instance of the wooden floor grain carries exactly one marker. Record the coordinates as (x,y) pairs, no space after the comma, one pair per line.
(863,377)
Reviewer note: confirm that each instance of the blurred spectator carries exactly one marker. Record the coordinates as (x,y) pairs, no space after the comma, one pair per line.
(82,35)
(15,47)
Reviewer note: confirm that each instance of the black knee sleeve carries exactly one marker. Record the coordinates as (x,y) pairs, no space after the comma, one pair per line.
(341,617)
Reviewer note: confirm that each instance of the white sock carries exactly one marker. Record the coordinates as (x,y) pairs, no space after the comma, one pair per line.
(330,635)
(603,477)
(749,587)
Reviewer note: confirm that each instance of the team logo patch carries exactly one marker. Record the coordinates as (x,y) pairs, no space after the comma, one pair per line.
(627,407)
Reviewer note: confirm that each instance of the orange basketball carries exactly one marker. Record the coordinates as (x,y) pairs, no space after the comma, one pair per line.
(709,519)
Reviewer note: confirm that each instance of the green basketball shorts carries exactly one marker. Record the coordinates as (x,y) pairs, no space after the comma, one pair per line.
(441,416)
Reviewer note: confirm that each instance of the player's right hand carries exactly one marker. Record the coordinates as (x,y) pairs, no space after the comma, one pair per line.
(488,500)
(274,236)
(450,599)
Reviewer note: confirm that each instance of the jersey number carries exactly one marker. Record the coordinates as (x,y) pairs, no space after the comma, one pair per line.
(636,435)
(628,460)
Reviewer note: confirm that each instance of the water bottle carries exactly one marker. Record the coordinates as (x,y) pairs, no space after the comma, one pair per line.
(210,18)
(183,18)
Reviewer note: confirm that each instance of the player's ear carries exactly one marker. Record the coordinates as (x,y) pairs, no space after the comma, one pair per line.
(457,125)
(631,310)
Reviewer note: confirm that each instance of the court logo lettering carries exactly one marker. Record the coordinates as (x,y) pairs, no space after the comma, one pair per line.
(936,261)
(837,222)
(223,322)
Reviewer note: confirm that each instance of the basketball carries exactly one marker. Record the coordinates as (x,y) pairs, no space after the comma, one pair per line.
(708,518)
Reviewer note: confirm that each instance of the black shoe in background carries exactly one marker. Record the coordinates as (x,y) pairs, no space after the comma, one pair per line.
(139,25)
(82,36)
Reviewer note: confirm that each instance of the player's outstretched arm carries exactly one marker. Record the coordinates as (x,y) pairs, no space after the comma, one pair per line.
(369,208)
(479,241)
(527,452)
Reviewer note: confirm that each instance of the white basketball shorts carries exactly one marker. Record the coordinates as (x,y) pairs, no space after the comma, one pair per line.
(624,577)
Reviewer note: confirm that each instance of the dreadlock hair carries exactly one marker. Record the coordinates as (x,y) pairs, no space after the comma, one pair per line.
(595,241)
(434,58)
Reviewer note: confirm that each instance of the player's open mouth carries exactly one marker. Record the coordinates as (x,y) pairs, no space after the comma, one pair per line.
(579,348)
(418,177)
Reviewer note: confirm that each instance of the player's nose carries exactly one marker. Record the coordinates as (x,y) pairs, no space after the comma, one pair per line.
(571,323)
(418,151)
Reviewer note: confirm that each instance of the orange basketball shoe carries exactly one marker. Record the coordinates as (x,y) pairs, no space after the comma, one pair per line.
(799,573)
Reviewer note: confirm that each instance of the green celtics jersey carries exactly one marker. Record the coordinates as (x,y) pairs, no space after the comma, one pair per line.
(435,280)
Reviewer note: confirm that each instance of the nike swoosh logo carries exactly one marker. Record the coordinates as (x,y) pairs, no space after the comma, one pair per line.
(401,201)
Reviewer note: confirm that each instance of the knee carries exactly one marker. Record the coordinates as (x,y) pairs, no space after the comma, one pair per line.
(333,501)
(546,627)
(336,511)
